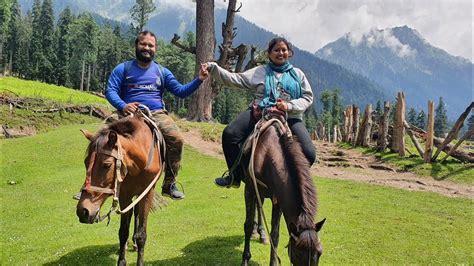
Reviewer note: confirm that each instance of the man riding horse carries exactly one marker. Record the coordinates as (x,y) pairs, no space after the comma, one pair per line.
(143,81)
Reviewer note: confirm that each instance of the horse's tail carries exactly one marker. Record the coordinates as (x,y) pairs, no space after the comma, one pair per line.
(299,170)
(159,202)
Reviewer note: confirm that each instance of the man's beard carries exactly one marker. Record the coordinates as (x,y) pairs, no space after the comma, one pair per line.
(144,58)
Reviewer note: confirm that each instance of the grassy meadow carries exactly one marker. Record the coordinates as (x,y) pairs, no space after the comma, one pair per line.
(365,224)
(34,89)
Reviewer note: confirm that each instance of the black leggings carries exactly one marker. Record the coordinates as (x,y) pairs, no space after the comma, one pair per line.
(241,127)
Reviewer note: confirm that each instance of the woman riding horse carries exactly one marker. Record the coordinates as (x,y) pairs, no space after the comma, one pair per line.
(279,162)
(276,84)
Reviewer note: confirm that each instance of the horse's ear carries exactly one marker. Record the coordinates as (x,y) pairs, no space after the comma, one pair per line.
(320,224)
(87,134)
(112,138)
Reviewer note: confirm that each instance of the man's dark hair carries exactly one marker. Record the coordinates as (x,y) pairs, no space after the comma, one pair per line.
(277,40)
(144,33)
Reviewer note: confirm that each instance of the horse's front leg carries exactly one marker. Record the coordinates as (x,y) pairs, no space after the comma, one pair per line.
(135,227)
(144,207)
(123,236)
(275,233)
(249,222)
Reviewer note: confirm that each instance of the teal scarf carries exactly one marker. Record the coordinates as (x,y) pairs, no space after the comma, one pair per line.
(289,82)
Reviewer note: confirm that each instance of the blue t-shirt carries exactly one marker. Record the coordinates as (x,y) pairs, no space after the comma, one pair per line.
(144,86)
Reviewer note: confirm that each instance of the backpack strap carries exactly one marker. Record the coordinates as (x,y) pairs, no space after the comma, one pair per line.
(160,72)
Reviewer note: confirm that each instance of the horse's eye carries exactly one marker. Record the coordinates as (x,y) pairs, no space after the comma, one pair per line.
(107,165)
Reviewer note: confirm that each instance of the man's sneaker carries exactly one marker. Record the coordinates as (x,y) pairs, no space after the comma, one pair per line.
(227,181)
(171,191)
(77,196)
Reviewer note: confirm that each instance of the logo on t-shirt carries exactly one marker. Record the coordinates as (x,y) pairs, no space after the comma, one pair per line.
(158,82)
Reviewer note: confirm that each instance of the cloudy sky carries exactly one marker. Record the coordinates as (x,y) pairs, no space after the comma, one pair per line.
(311,24)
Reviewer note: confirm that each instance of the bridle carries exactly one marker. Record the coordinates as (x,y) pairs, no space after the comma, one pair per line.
(296,238)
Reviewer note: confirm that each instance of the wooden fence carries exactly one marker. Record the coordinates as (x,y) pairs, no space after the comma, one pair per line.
(376,131)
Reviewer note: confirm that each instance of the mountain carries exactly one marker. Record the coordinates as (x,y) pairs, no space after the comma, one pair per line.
(169,19)
(401,59)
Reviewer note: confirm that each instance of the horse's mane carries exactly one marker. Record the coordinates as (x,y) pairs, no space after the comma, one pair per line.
(298,168)
(125,127)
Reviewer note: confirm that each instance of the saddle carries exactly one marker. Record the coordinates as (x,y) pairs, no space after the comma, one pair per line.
(268,118)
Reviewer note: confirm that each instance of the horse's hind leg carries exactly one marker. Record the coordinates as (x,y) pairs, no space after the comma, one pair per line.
(275,234)
(123,236)
(249,222)
(260,228)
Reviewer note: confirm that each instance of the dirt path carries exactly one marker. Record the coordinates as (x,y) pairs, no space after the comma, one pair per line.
(334,162)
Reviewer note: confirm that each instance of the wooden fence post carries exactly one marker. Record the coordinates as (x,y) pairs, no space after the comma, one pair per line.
(382,141)
(398,141)
(367,126)
(355,125)
(429,133)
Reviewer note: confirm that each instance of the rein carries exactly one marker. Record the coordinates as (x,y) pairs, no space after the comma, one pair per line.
(119,175)
(260,127)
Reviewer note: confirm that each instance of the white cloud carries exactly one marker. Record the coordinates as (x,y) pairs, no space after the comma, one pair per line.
(311,24)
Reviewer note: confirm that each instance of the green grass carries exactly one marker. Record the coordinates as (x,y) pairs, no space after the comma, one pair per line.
(451,169)
(366,224)
(209,131)
(35,89)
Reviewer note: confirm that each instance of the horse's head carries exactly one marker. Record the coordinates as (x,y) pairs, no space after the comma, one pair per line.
(305,248)
(103,158)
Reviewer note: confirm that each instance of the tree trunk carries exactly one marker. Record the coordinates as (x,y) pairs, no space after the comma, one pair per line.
(355,125)
(454,131)
(429,135)
(227,35)
(414,140)
(383,128)
(88,83)
(200,106)
(398,141)
(81,88)
(364,136)
(348,124)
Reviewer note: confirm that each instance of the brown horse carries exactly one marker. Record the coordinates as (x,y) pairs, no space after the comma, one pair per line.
(282,171)
(122,160)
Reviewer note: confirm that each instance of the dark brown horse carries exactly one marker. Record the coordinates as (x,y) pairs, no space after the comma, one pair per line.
(122,160)
(282,171)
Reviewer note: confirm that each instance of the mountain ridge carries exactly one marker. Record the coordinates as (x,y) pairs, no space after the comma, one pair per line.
(400,58)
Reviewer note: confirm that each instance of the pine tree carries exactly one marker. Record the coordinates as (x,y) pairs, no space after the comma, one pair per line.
(336,108)
(64,48)
(47,41)
(13,40)
(84,32)
(440,119)
(4,22)
(470,125)
(412,116)
(22,63)
(36,51)
(421,120)
(140,13)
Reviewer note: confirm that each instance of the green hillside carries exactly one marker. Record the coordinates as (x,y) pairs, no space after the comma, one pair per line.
(30,107)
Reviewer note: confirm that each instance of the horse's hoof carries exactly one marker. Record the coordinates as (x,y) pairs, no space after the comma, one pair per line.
(264,241)
(122,263)
(245,263)
(255,236)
